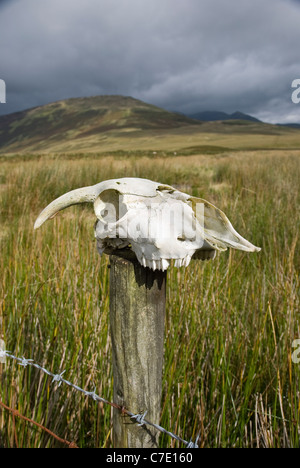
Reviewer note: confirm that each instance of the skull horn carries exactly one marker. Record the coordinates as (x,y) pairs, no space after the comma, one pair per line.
(81,195)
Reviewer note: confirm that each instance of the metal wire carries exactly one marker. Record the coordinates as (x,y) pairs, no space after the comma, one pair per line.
(58,378)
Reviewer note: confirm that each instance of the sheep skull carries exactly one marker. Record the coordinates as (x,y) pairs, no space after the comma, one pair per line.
(158,222)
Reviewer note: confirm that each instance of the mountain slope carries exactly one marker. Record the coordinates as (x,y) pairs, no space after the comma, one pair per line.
(83,118)
(106,124)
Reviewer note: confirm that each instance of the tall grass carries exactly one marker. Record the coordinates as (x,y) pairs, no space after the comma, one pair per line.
(230,323)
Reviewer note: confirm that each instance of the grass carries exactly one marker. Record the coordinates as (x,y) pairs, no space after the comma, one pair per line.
(230,323)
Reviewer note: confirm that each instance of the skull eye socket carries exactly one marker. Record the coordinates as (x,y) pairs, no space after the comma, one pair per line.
(109,206)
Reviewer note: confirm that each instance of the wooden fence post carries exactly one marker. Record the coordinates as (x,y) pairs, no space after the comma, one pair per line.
(137,320)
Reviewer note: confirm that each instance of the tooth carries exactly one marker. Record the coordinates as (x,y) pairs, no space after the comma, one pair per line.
(164,263)
(186,260)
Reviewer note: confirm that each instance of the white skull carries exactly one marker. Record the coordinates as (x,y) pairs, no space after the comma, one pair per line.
(156,221)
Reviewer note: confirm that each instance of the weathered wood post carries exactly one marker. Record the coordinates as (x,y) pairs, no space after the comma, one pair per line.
(137,317)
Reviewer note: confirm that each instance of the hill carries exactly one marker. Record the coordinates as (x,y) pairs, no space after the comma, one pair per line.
(83,118)
(212,116)
(106,124)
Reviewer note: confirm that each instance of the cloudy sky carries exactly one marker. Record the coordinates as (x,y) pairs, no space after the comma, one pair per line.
(182,55)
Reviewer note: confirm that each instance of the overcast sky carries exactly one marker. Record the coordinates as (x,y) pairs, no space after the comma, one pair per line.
(183,55)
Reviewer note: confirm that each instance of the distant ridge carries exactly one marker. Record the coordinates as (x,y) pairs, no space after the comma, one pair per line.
(292,125)
(211,116)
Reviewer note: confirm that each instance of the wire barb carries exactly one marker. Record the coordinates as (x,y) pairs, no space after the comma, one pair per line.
(58,378)
(25,362)
(192,444)
(140,418)
(93,395)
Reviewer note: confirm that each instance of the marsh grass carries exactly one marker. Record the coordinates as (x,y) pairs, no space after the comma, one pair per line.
(230,323)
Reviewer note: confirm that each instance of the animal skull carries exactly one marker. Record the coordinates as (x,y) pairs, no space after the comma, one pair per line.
(158,222)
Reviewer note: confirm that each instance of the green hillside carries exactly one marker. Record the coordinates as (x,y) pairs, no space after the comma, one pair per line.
(82,118)
(115,123)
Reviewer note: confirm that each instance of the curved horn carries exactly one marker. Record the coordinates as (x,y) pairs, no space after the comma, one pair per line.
(81,195)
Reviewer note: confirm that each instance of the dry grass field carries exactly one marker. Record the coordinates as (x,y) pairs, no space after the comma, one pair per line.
(230,323)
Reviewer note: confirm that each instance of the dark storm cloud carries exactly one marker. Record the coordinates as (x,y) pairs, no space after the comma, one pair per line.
(186,55)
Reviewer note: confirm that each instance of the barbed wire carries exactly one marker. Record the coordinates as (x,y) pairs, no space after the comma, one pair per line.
(58,378)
